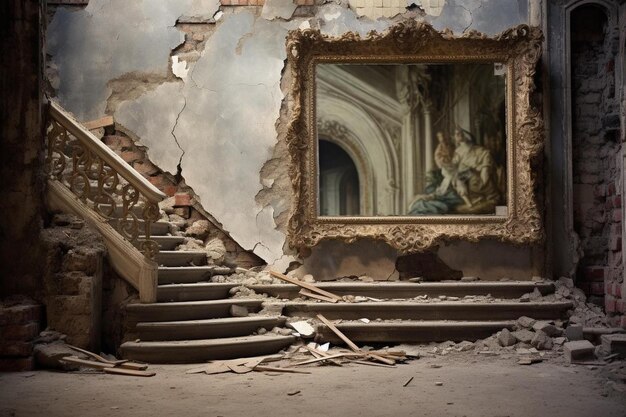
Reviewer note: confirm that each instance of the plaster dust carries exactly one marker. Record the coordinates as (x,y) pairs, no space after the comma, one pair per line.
(468,387)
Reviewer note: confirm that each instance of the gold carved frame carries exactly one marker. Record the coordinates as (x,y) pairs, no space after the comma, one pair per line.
(417,42)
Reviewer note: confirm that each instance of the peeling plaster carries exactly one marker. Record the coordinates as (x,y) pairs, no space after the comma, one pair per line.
(278,9)
(487,16)
(107,39)
(138,116)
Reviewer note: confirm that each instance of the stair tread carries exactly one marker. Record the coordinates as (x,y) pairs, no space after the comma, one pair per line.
(207,342)
(199,285)
(182,304)
(203,322)
(436,304)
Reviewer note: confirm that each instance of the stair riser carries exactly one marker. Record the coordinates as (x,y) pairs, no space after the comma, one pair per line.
(167,242)
(393,334)
(194,294)
(181,258)
(191,312)
(194,354)
(172,332)
(190,275)
(157,229)
(425,311)
(406,291)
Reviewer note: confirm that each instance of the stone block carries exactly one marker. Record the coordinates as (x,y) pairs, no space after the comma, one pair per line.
(578,350)
(15,348)
(17,364)
(526,322)
(19,314)
(614,343)
(542,341)
(19,332)
(523,335)
(548,328)
(574,332)
(506,338)
(238,311)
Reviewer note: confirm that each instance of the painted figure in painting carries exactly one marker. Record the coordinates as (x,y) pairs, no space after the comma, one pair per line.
(465,181)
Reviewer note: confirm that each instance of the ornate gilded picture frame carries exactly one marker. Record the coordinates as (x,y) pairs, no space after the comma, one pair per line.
(414,137)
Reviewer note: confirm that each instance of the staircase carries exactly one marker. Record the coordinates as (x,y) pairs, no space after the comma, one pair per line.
(191,320)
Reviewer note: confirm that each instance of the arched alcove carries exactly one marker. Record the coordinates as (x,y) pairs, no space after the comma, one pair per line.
(595,148)
(339,189)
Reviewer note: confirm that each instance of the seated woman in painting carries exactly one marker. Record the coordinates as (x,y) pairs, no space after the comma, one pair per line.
(464,183)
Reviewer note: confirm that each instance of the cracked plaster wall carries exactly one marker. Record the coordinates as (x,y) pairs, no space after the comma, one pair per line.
(222,120)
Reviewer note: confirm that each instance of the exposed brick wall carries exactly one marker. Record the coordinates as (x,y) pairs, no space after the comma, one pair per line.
(597,159)
(189,209)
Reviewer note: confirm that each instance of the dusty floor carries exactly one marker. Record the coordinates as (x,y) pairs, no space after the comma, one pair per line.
(483,387)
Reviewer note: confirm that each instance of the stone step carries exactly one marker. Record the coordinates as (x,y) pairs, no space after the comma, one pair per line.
(190,274)
(196,351)
(190,310)
(194,291)
(206,329)
(407,310)
(414,331)
(510,289)
(166,242)
(181,258)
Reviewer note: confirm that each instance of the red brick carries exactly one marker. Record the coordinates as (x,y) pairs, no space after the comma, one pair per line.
(597,288)
(616,215)
(615,243)
(22,332)
(610,304)
(14,348)
(182,200)
(19,314)
(623,322)
(117,142)
(611,189)
(617,201)
(620,306)
(600,190)
(594,273)
(17,364)
(132,156)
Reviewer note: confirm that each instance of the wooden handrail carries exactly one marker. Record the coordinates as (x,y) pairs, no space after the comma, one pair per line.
(92,143)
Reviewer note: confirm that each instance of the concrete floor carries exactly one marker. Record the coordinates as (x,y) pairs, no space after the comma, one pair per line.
(472,386)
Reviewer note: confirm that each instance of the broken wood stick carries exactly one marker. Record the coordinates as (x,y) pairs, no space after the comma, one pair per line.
(87,363)
(339,334)
(319,354)
(96,124)
(119,363)
(381,359)
(316,296)
(406,384)
(325,358)
(373,364)
(276,369)
(128,372)
(304,285)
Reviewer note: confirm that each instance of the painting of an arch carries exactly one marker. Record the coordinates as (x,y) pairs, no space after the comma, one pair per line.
(417,139)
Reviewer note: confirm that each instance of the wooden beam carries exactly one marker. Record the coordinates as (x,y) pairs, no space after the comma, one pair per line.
(304,285)
(316,296)
(342,336)
(96,124)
